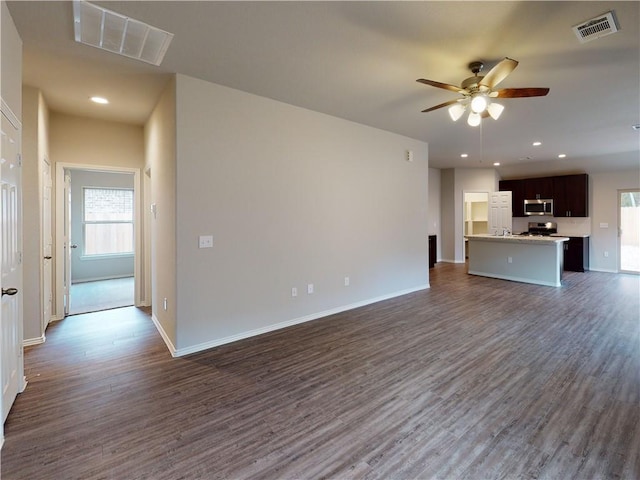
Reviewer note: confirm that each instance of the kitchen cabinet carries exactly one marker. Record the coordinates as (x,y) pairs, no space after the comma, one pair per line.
(516,187)
(576,254)
(538,188)
(571,196)
(433,250)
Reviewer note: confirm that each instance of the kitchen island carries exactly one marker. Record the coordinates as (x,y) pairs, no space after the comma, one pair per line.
(529,259)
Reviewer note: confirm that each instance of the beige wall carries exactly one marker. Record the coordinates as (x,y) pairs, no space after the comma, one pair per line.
(160,176)
(603,208)
(35,144)
(291,197)
(455,182)
(435,214)
(10,63)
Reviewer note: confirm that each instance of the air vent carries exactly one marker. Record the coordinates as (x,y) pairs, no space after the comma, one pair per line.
(102,28)
(598,27)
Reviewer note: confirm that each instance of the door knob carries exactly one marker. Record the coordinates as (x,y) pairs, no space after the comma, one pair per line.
(9,291)
(48,257)
(73,245)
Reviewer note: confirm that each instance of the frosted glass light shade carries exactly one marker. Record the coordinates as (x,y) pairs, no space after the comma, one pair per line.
(479,103)
(474,119)
(495,110)
(456,110)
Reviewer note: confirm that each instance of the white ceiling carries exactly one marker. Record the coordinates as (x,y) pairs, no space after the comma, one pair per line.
(360,61)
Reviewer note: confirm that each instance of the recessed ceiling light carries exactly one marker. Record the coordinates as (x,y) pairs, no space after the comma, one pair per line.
(100,100)
(496,164)
(537,144)
(562,155)
(464,155)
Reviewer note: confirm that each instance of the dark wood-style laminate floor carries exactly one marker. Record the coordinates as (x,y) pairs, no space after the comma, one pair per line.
(475,378)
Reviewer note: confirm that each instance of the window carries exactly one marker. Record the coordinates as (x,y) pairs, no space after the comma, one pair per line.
(107,221)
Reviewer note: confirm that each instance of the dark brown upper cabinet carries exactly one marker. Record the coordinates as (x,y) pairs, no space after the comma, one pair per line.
(571,196)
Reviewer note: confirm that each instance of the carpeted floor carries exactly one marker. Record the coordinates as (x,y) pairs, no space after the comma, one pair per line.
(101,295)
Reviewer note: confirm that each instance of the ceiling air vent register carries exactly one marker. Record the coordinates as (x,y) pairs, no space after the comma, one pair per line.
(116,33)
(597,27)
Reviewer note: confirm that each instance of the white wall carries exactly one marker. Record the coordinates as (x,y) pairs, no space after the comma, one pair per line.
(86,269)
(160,175)
(291,197)
(435,209)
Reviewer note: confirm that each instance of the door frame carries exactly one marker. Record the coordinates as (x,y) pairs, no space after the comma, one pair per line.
(61,168)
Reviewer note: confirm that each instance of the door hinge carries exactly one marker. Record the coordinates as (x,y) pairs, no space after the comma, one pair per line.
(19,159)
(19,258)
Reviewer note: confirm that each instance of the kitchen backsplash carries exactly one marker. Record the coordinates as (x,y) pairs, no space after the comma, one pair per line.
(569,226)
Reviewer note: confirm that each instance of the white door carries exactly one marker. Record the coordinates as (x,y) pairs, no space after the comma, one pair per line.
(500,212)
(67,243)
(47,246)
(11,261)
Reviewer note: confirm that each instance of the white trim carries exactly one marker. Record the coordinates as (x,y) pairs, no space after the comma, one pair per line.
(60,168)
(289,323)
(8,113)
(603,270)
(56,318)
(28,342)
(515,279)
(98,279)
(163,334)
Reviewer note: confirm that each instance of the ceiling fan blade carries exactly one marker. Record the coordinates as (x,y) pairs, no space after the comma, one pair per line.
(498,73)
(445,104)
(521,92)
(446,86)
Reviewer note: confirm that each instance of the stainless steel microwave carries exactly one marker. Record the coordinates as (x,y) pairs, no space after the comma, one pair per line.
(538,207)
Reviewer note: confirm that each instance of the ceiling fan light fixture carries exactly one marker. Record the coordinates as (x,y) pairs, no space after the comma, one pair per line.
(474,119)
(479,103)
(456,110)
(495,110)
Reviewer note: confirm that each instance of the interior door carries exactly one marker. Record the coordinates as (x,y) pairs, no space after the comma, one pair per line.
(67,243)
(47,246)
(11,260)
(500,213)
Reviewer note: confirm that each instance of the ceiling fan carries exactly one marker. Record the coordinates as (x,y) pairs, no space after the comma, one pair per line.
(479,90)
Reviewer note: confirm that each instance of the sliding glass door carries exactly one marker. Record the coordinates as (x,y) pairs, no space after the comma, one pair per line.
(629,234)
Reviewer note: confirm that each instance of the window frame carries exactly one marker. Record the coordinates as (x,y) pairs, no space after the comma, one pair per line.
(93,256)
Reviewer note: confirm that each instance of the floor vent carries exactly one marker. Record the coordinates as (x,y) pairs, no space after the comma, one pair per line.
(102,28)
(597,27)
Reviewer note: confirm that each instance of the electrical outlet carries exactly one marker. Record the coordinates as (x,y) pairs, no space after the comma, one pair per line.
(606,254)
(347,282)
(310,288)
(510,259)
(205,241)
(294,292)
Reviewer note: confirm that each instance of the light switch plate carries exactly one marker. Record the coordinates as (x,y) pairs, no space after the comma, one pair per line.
(205,241)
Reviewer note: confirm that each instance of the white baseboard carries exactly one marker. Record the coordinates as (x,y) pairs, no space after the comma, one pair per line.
(28,342)
(56,318)
(603,270)
(277,326)
(163,334)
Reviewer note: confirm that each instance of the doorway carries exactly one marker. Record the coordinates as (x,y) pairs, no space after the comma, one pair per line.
(475,215)
(629,233)
(97,238)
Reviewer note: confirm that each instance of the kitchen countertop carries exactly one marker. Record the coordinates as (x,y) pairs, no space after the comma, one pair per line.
(519,239)
(578,235)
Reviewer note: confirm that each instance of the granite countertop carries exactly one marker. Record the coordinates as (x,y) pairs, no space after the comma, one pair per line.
(518,239)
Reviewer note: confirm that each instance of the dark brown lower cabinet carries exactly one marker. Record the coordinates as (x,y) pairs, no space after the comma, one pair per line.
(576,254)
(433,251)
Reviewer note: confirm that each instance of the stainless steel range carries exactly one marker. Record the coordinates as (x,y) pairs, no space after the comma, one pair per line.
(541,229)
